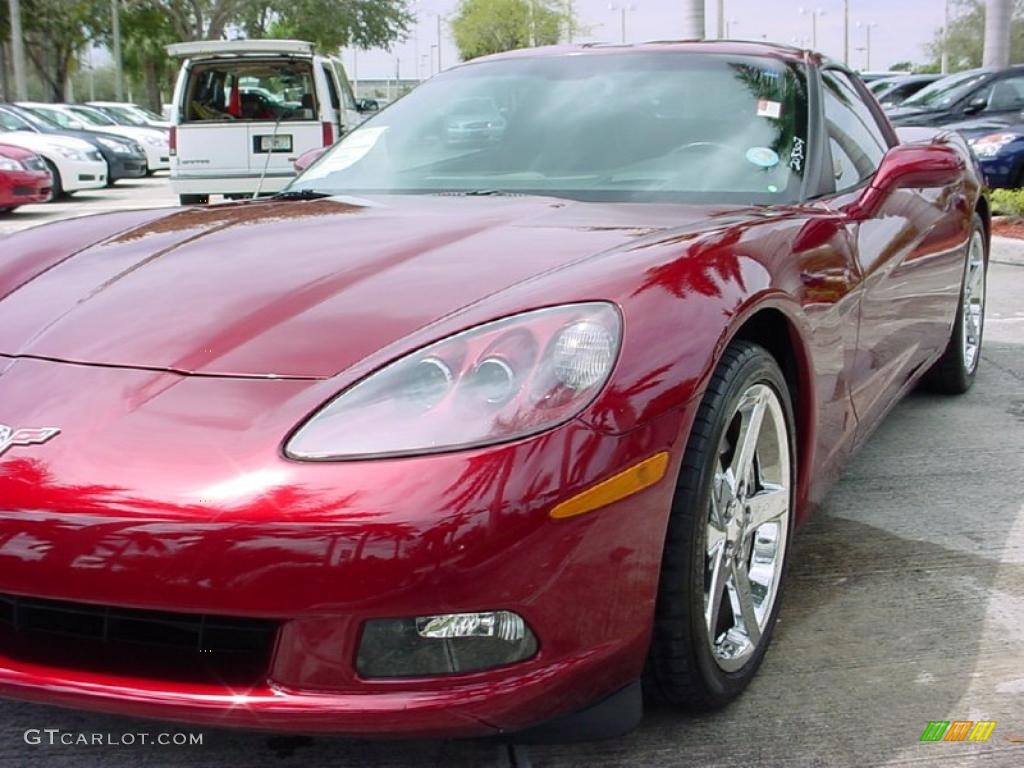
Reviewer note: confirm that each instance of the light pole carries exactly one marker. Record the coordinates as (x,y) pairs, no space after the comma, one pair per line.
(814,13)
(945,38)
(867,43)
(729,24)
(723,23)
(623,10)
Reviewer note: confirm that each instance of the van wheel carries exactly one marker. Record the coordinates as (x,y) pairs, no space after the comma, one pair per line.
(193,199)
(57,190)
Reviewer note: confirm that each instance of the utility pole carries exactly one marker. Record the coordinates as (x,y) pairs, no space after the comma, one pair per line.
(997,33)
(867,43)
(115,14)
(568,21)
(846,32)
(721,20)
(945,39)
(439,42)
(18,52)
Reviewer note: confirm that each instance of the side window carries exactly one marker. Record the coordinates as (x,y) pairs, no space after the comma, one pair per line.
(855,137)
(1004,95)
(346,89)
(332,89)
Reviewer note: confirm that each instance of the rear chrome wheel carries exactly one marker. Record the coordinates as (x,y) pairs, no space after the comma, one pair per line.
(954,372)
(728,536)
(747,527)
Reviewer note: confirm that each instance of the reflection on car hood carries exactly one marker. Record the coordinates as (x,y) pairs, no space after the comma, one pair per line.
(297,288)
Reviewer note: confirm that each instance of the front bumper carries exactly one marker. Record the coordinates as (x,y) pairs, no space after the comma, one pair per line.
(24,187)
(211,519)
(126,166)
(82,174)
(1001,171)
(157,157)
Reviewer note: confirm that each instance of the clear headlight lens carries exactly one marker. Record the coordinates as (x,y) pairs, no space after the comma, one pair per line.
(113,144)
(497,382)
(10,164)
(992,144)
(72,154)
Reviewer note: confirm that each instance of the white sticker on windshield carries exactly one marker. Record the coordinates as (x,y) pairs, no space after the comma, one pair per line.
(766,108)
(350,151)
(763,157)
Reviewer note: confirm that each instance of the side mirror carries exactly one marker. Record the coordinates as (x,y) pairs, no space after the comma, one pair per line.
(368,105)
(975,105)
(76,125)
(910,166)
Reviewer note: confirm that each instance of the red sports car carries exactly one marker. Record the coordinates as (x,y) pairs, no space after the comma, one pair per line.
(24,178)
(471,439)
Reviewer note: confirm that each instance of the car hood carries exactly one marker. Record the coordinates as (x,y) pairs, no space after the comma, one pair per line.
(297,288)
(980,127)
(904,112)
(40,142)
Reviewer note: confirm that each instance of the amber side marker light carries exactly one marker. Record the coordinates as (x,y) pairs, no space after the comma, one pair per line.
(615,488)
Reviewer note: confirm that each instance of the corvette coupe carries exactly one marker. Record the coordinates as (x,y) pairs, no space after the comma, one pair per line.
(476,438)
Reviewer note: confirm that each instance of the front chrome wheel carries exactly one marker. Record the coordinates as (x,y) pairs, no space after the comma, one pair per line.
(747,527)
(973,309)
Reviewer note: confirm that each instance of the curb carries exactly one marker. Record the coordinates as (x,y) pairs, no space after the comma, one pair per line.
(1007,250)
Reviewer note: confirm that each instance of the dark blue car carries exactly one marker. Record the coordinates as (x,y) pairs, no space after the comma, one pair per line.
(998,143)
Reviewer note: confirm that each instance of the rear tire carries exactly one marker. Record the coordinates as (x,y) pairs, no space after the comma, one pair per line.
(729,528)
(57,190)
(193,199)
(954,372)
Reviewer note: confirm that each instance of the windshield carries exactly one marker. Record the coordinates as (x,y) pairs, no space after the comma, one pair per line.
(124,115)
(54,117)
(947,91)
(92,116)
(12,122)
(628,126)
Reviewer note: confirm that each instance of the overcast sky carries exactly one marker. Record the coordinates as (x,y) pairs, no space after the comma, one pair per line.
(904,26)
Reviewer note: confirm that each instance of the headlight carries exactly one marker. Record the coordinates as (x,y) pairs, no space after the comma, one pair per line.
(72,154)
(10,164)
(155,141)
(113,144)
(497,382)
(993,143)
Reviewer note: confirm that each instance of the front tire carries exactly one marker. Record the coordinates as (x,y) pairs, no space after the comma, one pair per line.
(954,372)
(57,189)
(728,536)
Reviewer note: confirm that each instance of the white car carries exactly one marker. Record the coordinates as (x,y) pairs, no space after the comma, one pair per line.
(244,110)
(73,163)
(77,117)
(126,113)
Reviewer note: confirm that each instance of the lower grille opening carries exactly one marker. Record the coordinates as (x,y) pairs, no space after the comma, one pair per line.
(155,644)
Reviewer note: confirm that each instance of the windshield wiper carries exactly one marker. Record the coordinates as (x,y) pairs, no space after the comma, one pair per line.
(301,194)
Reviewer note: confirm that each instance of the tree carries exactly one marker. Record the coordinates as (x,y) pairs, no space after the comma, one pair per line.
(353,23)
(967,35)
(55,32)
(481,27)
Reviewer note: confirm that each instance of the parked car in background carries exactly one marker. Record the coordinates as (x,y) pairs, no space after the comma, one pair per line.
(870,77)
(126,159)
(998,143)
(242,108)
(474,120)
(75,116)
(981,92)
(24,178)
(74,164)
(126,113)
(893,91)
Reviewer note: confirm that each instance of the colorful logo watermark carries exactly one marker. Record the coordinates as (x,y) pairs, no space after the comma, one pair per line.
(958,730)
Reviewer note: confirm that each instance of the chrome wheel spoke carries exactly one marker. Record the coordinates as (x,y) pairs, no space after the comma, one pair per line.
(752,409)
(713,600)
(743,602)
(767,506)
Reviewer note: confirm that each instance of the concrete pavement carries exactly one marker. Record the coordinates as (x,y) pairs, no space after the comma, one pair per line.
(904,604)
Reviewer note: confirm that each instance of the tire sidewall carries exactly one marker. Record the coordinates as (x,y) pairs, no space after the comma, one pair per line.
(724,686)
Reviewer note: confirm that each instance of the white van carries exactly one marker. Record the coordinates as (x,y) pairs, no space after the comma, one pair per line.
(244,110)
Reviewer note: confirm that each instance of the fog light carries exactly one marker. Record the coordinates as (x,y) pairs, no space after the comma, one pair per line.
(444,644)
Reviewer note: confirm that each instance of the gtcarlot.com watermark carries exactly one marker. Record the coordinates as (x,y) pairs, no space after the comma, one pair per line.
(55,737)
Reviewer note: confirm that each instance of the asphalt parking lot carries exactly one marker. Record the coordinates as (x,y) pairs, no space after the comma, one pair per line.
(905,604)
